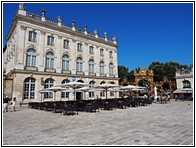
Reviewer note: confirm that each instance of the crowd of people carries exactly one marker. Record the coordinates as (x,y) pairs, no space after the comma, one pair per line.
(7,101)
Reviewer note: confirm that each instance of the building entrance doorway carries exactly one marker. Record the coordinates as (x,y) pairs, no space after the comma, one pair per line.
(79,96)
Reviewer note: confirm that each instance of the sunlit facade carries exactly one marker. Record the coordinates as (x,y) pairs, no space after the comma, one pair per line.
(184,82)
(42,53)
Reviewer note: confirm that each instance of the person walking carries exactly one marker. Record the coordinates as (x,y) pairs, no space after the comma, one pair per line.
(182,97)
(176,97)
(5,104)
(13,105)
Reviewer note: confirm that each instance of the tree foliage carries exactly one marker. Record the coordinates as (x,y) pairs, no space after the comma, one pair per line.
(122,73)
(167,69)
(131,77)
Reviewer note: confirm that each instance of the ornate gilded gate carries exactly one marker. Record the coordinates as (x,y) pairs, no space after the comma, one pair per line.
(147,74)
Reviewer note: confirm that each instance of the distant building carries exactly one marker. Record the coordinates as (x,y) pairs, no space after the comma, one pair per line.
(184,82)
(41,53)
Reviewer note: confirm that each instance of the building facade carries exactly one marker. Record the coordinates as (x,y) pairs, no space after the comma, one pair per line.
(184,82)
(42,53)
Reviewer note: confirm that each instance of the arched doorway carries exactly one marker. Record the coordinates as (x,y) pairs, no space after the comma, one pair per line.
(145,78)
(91,94)
(79,95)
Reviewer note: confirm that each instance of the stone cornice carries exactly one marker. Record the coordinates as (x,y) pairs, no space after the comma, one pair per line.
(61,74)
(184,76)
(14,22)
(57,28)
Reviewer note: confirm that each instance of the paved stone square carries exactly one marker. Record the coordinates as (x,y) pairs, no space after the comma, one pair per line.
(156,124)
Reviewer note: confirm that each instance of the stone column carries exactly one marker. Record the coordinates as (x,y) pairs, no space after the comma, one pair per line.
(85,59)
(20,48)
(73,56)
(42,51)
(115,63)
(97,59)
(58,55)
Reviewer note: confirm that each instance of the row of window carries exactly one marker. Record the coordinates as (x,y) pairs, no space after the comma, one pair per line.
(29,89)
(66,44)
(31,62)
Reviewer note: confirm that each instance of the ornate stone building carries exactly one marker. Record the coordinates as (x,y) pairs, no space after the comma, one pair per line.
(42,52)
(184,81)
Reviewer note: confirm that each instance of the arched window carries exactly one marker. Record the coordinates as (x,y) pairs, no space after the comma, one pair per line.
(111,73)
(65,94)
(102,93)
(79,65)
(91,66)
(186,84)
(29,88)
(48,83)
(49,60)
(101,67)
(31,57)
(65,62)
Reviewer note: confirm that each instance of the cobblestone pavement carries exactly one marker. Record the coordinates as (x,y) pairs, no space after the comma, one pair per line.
(156,124)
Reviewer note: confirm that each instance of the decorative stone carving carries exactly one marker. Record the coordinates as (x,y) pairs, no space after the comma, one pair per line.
(43,32)
(114,38)
(95,32)
(43,12)
(23,27)
(73,23)
(85,27)
(59,19)
(21,6)
(105,36)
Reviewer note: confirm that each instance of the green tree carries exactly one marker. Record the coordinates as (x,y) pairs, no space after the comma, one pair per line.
(170,70)
(131,77)
(122,73)
(159,71)
(167,69)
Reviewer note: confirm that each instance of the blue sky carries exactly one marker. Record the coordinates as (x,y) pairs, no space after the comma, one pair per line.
(145,32)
